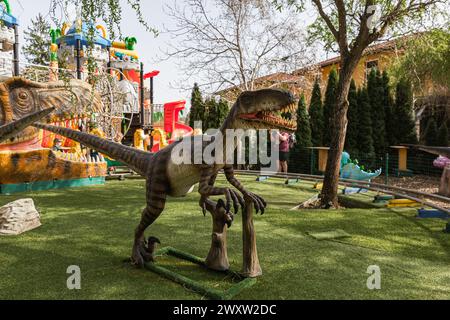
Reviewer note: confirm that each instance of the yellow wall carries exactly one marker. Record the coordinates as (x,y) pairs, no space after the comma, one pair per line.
(384,60)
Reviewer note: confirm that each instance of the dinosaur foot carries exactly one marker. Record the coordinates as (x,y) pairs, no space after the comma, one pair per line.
(140,255)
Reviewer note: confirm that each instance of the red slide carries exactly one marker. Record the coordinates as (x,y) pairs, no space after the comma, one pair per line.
(172,124)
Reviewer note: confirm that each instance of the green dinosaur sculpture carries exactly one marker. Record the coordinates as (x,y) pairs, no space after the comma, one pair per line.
(252,110)
(9,130)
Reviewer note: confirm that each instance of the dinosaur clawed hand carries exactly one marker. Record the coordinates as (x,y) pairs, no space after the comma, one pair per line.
(226,215)
(259,203)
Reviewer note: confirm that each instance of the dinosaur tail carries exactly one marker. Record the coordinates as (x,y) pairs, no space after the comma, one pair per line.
(137,160)
(11,129)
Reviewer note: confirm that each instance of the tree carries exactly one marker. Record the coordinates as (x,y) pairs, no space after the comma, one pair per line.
(197,106)
(350,27)
(303,133)
(375,92)
(231,43)
(216,112)
(37,41)
(352,139)
(365,140)
(387,102)
(442,136)
(329,106)
(426,57)
(94,10)
(404,126)
(431,133)
(316,115)
(300,155)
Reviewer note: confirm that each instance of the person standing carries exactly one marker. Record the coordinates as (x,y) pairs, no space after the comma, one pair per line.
(283,140)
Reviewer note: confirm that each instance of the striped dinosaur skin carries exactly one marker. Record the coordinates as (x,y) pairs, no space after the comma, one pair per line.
(24,157)
(253,109)
(9,130)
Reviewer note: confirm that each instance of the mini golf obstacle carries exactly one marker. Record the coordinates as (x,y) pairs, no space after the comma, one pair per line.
(437,214)
(197,286)
(292,181)
(431,213)
(401,203)
(352,190)
(382,198)
(217,259)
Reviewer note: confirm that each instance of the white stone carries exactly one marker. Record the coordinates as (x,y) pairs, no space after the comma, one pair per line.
(18,216)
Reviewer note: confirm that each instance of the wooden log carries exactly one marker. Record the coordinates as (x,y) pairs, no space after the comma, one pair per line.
(250,261)
(217,258)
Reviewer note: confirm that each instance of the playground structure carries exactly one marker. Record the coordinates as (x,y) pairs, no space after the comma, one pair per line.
(117,111)
(141,122)
(169,129)
(9,42)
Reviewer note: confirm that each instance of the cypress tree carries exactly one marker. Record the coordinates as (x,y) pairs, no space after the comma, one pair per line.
(329,106)
(210,114)
(197,112)
(303,133)
(351,139)
(316,116)
(388,102)
(431,133)
(375,92)
(299,157)
(404,126)
(442,137)
(365,142)
(216,112)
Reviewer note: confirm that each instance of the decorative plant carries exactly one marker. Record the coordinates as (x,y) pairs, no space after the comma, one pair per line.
(130,42)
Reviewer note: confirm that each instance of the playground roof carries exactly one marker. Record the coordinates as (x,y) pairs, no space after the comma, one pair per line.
(8,19)
(72,35)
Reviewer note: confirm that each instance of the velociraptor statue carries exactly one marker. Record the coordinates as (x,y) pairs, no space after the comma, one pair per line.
(259,109)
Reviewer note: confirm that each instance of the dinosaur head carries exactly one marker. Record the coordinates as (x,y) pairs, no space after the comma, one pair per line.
(27,156)
(20,97)
(262,109)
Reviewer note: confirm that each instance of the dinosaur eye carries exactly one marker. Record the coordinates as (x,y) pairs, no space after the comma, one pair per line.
(22,102)
(23,95)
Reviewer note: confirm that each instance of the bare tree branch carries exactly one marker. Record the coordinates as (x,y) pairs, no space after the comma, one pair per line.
(225,43)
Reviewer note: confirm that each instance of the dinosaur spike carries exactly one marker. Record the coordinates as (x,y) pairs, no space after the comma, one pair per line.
(11,129)
(137,160)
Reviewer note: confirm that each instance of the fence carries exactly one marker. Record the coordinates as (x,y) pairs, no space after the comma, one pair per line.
(418,162)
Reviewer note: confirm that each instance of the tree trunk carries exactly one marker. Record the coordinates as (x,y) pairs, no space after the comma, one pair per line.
(250,261)
(338,122)
(217,258)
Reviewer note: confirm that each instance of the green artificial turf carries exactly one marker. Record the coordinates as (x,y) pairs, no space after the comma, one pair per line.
(92,227)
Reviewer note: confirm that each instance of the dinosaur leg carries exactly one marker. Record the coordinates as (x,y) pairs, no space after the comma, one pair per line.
(206,190)
(259,202)
(203,198)
(156,200)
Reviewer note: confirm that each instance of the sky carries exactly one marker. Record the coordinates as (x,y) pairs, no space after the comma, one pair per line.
(148,46)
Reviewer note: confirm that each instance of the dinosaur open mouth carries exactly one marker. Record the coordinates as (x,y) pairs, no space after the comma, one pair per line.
(32,138)
(78,157)
(277,118)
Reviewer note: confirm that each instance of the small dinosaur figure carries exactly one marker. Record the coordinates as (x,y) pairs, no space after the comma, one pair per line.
(261,109)
(11,129)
